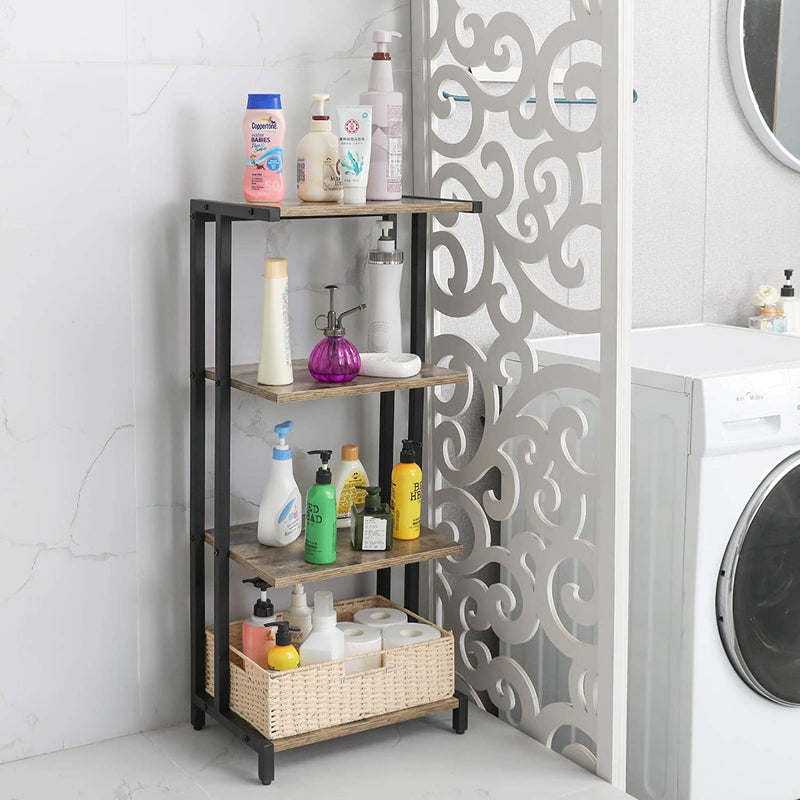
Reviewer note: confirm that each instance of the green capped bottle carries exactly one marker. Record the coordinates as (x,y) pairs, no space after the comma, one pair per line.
(371,525)
(321,515)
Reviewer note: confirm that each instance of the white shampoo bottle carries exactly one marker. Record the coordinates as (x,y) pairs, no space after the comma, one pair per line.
(279,515)
(384,273)
(385,180)
(275,363)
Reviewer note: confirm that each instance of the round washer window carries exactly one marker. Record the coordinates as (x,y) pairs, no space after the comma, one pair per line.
(758,592)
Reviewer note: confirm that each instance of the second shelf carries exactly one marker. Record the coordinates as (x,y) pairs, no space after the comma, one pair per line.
(243,377)
(285,566)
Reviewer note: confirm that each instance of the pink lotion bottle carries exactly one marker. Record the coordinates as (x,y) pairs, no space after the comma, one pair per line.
(385,180)
(257,640)
(264,130)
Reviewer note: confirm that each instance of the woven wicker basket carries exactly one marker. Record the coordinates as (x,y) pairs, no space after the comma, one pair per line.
(321,695)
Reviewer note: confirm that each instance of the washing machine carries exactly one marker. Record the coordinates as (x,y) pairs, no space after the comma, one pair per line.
(714,641)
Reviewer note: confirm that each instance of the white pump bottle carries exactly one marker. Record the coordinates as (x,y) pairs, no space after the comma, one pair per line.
(384,273)
(279,515)
(318,173)
(386,160)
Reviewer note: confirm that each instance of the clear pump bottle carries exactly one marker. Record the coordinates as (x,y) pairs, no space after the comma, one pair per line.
(257,640)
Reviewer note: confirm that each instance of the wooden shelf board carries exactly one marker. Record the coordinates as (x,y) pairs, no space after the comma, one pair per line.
(243,377)
(360,725)
(285,566)
(297,209)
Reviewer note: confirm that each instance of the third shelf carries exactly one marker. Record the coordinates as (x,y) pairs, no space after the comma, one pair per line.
(285,566)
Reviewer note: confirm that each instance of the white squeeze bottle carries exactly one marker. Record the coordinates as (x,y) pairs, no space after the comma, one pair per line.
(279,515)
(326,641)
(275,362)
(386,161)
(299,615)
(384,272)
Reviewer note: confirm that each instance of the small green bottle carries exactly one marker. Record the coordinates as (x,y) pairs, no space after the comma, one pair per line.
(321,515)
(371,525)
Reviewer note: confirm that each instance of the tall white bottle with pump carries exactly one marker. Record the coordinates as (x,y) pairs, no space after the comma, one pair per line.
(279,515)
(386,160)
(384,273)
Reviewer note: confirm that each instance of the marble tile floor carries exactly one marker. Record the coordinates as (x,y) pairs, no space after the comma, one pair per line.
(417,759)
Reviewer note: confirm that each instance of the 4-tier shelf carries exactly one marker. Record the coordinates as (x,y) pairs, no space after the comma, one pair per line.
(287,566)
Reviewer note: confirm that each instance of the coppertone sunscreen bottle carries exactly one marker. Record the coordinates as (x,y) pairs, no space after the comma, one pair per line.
(407,493)
(264,128)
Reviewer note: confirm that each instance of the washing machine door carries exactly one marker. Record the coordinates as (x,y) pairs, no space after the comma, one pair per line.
(758,590)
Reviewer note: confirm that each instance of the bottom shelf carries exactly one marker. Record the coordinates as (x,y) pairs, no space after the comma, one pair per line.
(359,725)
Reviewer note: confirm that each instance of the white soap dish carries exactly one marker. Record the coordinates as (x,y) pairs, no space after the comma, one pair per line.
(390,365)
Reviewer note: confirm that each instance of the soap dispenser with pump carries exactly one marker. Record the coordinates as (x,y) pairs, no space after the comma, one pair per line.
(257,640)
(386,160)
(279,515)
(334,359)
(321,515)
(789,305)
(319,177)
(384,273)
(284,654)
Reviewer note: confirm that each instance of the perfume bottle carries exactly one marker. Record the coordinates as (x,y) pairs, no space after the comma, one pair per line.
(334,359)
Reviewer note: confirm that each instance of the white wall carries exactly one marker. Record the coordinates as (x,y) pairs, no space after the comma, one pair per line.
(714,214)
(112,115)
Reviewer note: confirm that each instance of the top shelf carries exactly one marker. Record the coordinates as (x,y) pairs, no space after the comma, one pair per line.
(297,209)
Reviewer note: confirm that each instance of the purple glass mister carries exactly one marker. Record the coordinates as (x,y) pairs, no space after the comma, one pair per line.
(334,359)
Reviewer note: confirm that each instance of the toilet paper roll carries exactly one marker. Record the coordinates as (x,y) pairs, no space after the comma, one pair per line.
(361,640)
(401,634)
(379,617)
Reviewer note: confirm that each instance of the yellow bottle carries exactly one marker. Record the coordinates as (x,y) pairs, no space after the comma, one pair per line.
(283,654)
(407,493)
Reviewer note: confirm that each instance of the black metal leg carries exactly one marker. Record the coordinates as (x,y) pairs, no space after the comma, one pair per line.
(266,763)
(222,465)
(411,588)
(461,714)
(197,446)
(385,463)
(198,718)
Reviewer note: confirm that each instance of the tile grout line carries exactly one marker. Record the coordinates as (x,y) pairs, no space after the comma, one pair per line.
(707,159)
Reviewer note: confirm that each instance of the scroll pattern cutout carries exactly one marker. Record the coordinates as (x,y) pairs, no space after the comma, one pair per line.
(536,214)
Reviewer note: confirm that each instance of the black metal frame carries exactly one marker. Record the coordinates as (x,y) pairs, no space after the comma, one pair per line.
(223,215)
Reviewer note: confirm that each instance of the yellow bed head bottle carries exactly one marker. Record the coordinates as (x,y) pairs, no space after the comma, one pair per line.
(407,493)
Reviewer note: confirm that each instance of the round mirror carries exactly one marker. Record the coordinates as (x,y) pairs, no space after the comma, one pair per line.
(764,54)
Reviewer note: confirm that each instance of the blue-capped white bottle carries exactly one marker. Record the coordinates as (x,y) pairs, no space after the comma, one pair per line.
(280,512)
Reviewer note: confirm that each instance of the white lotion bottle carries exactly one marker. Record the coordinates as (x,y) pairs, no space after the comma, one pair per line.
(385,180)
(279,515)
(299,614)
(275,363)
(384,273)
(789,305)
(326,641)
(319,177)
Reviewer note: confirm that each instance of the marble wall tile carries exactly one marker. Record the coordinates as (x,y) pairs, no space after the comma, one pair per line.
(52,30)
(67,494)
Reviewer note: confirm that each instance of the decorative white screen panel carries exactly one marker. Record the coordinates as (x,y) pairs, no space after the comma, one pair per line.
(528,463)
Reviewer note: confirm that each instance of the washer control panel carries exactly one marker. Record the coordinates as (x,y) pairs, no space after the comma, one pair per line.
(745,412)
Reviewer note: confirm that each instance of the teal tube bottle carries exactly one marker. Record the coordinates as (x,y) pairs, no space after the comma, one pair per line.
(321,515)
